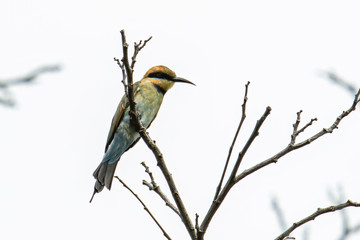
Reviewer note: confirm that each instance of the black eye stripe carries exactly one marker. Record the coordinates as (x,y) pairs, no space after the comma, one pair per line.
(161,75)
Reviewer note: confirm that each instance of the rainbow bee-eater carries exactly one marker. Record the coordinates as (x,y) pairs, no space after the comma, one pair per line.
(148,96)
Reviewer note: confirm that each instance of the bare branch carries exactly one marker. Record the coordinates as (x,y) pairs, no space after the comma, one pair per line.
(295,126)
(151,144)
(346,230)
(122,67)
(243,116)
(292,147)
(306,126)
(296,132)
(145,207)
(137,49)
(231,180)
(153,186)
(317,213)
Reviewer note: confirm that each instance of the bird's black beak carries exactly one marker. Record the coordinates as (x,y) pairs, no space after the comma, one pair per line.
(179,79)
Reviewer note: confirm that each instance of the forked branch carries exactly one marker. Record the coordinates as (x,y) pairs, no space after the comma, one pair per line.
(153,186)
(292,145)
(231,180)
(198,231)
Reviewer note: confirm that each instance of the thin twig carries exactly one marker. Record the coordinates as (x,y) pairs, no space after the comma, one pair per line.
(306,126)
(292,147)
(231,180)
(197,227)
(243,116)
(145,207)
(295,127)
(296,132)
(153,186)
(137,49)
(317,213)
(151,144)
(122,67)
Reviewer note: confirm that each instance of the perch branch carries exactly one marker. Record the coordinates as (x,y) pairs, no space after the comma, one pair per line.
(150,143)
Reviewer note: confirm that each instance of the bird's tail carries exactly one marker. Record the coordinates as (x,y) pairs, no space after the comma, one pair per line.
(104,175)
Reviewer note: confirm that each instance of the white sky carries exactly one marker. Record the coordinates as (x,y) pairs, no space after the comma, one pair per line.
(54,138)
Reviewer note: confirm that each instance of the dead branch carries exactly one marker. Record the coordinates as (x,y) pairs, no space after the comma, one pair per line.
(145,207)
(317,213)
(292,145)
(153,186)
(243,116)
(347,230)
(231,180)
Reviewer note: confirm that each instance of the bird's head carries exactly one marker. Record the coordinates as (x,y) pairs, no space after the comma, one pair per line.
(164,77)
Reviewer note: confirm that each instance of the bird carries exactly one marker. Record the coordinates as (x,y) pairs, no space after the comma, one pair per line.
(123,135)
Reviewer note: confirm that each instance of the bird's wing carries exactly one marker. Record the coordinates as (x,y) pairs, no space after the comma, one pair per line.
(124,103)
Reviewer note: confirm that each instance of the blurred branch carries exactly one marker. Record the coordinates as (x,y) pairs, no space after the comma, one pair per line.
(129,69)
(145,207)
(7,98)
(339,81)
(347,230)
(30,77)
(279,213)
(317,213)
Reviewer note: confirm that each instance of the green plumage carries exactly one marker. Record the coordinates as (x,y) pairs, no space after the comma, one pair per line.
(148,96)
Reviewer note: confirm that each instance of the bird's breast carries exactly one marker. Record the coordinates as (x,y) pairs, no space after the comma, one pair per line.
(148,101)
